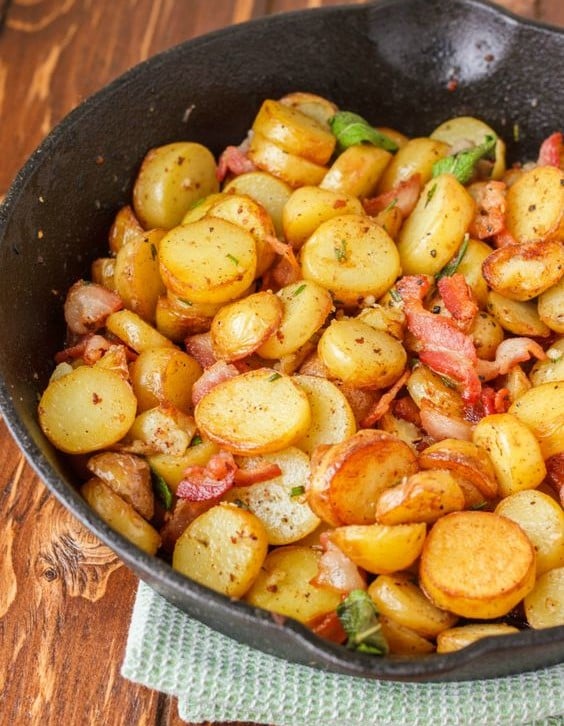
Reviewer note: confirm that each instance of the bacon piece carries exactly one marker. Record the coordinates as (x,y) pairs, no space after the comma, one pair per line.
(458,299)
(202,483)
(199,346)
(328,626)
(404,196)
(550,153)
(217,373)
(440,425)
(495,401)
(246,477)
(489,219)
(176,522)
(509,352)
(234,160)
(90,348)
(406,409)
(382,406)
(87,306)
(444,348)
(555,474)
(336,570)
(503,238)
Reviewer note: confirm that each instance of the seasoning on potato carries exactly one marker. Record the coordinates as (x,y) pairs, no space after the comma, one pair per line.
(322,373)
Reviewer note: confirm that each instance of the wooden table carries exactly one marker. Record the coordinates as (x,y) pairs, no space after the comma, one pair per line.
(65,599)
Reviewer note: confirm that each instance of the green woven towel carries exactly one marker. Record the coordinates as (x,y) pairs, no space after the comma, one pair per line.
(218,679)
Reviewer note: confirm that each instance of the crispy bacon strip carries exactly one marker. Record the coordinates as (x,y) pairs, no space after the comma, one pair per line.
(458,299)
(495,401)
(509,352)
(382,406)
(90,348)
(246,477)
(87,306)
(199,346)
(328,626)
(550,152)
(176,522)
(404,196)
(440,425)
(444,348)
(202,483)
(555,474)
(490,209)
(217,373)
(336,570)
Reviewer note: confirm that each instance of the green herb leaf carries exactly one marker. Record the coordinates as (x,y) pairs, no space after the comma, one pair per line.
(299,290)
(463,163)
(451,267)
(341,251)
(394,294)
(162,490)
(274,377)
(351,129)
(196,440)
(153,251)
(297,491)
(233,259)
(359,618)
(430,194)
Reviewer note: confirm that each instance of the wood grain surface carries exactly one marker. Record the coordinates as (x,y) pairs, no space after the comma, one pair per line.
(65,599)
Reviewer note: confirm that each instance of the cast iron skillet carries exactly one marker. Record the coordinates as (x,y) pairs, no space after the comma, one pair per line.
(390,61)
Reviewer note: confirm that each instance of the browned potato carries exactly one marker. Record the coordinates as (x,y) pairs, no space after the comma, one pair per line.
(518,317)
(535,204)
(404,641)
(319,108)
(129,476)
(135,332)
(380,548)
(477,564)
(350,476)
(423,497)
(240,328)
(356,171)
(269,191)
(125,227)
(295,170)
(544,605)
(417,156)
(540,408)
(456,638)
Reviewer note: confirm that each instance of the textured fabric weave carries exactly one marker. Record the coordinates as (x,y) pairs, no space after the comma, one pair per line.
(218,679)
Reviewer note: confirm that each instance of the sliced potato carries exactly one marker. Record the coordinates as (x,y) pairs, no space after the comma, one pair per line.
(241,327)
(434,231)
(128,476)
(380,317)
(88,409)
(550,369)
(164,375)
(513,451)
(137,278)
(348,477)
(332,418)
(356,171)
(224,548)
(477,564)
(525,271)
(404,641)
(102,272)
(170,180)
(319,108)
(424,385)
(163,429)
(423,497)
(120,515)
(457,638)
(400,599)
(542,409)
(542,520)
(309,206)
(284,585)
(172,468)
(417,156)
(280,502)
(294,131)
(551,307)
(465,460)
(359,355)
(295,170)
(380,548)
(135,332)
(535,204)
(254,413)
(269,191)
(199,209)
(305,306)
(520,318)
(486,334)
(208,261)
(471,267)
(353,257)
(125,227)
(544,605)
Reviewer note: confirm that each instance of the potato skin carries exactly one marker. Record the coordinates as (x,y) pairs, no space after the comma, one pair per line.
(477,564)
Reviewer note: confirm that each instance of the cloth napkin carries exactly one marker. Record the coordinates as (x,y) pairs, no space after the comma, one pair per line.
(217,679)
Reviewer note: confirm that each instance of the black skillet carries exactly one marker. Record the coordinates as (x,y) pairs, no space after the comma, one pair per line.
(410,64)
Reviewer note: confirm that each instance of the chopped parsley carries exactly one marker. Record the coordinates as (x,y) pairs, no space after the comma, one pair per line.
(351,129)
(274,377)
(233,259)
(463,164)
(341,251)
(162,490)
(451,267)
(297,491)
(359,618)
(299,290)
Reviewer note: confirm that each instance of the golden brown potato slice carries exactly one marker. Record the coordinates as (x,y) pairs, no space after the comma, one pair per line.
(457,638)
(284,585)
(535,204)
(269,191)
(129,476)
(125,227)
(241,327)
(471,267)
(467,130)
(120,515)
(404,641)
(550,369)
(520,318)
(172,468)
(542,409)
(319,108)
(254,413)
(163,429)
(423,497)
(356,171)
(380,548)
(348,477)
(295,170)
(417,156)
(551,307)
(401,600)
(477,564)
(224,549)
(544,605)
(135,332)
(102,272)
